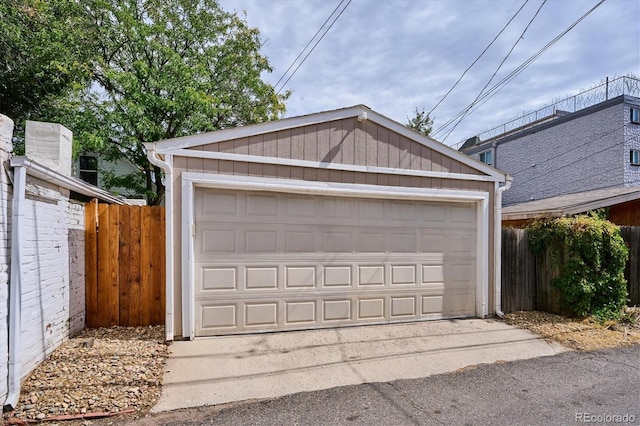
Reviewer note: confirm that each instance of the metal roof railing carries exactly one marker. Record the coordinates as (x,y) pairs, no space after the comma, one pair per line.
(625,85)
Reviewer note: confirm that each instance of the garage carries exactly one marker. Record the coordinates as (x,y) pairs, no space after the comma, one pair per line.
(293,225)
(273,261)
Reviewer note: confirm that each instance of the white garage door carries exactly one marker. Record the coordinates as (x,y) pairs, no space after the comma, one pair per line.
(276,261)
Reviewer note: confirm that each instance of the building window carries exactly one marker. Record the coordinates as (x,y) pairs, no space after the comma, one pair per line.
(634,115)
(634,157)
(89,169)
(485,157)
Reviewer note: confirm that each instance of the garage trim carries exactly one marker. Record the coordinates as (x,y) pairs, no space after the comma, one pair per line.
(192,180)
(213,155)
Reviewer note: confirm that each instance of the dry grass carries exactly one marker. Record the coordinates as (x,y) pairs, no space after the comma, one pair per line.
(581,334)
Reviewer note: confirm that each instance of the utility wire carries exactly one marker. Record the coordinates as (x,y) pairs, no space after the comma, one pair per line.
(477,59)
(498,86)
(496,71)
(314,46)
(305,48)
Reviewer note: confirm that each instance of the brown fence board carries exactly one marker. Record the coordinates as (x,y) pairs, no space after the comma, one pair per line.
(91,263)
(631,235)
(526,279)
(103,265)
(157,264)
(145,272)
(125,261)
(124,299)
(114,256)
(134,268)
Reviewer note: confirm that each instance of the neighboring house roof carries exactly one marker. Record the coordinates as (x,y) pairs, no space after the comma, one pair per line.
(363,112)
(45,173)
(570,204)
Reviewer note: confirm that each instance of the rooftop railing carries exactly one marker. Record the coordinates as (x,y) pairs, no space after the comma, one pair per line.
(602,92)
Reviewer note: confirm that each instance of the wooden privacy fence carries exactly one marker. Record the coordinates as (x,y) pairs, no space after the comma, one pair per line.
(125,265)
(526,280)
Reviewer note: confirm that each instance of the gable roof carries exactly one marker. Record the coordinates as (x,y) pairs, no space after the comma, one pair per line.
(570,204)
(362,113)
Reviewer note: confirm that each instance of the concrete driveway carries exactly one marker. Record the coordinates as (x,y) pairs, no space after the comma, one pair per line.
(212,371)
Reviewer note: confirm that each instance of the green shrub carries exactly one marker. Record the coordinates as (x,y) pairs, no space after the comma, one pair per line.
(591,257)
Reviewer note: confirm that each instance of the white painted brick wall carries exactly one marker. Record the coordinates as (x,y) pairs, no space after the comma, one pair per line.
(45,290)
(6,131)
(582,154)
(52,224)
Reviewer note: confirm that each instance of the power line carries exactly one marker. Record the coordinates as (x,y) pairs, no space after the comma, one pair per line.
(478,58)
(305,48)
(316,44)
(521,68)
(496,71)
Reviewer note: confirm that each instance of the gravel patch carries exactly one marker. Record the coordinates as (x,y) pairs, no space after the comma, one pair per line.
(105,370)
(581,334)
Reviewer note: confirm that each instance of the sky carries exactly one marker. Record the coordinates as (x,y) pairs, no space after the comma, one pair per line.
(395,56)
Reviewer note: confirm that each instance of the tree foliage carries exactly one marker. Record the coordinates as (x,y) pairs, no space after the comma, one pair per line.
(161,69)
(42,55)
(420,122)
(591,256)
(165,69)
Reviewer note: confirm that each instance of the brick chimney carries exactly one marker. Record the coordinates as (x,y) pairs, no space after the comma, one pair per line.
(50,145)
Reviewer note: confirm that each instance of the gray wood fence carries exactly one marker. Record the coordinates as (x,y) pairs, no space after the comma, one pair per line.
(526,281)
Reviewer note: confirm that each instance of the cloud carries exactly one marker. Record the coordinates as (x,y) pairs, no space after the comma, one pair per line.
(397,55)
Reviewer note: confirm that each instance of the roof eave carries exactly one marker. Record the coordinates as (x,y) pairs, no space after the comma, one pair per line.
(47,174)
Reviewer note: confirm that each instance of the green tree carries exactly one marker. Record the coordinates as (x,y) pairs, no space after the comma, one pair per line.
(165,69)
(420,122)
(42,56)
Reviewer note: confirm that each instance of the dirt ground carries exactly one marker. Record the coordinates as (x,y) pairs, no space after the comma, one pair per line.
(581,334)
(119,370)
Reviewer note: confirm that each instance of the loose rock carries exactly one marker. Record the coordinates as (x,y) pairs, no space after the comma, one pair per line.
(102,370)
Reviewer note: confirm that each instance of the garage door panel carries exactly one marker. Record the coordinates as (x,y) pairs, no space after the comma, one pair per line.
(260,241)
(300,276)
(274,261)
(219,279)
(336,310)
(403,275)
(403,307)
(300,313)
(222,205)
(261,278)
(432,304)
(336,240)
(371,275)
(261,314)
(218,316)
(371,309)
(262,205)
(337,276)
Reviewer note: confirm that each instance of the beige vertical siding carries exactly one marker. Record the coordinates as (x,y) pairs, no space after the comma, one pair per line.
(345,142)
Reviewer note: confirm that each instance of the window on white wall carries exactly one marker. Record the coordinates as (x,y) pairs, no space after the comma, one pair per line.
(485,157)
(634,157)
(634,115)
(89,169)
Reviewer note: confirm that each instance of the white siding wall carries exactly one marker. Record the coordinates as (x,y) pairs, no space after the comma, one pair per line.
(46,288)
(6,130)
